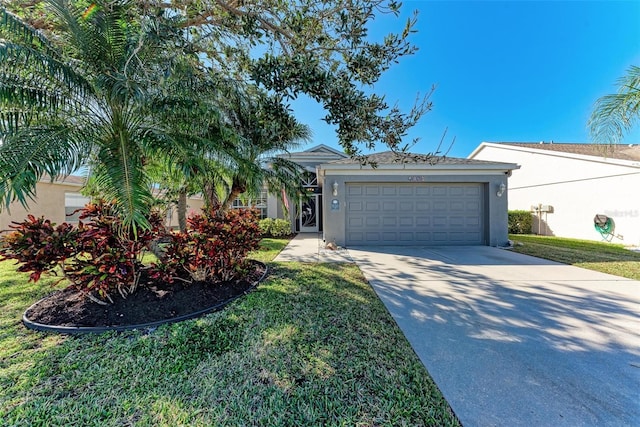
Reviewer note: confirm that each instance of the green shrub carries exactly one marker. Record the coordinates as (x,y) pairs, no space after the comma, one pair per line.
(280,228)
(266,225)
(520,222)
(275,227)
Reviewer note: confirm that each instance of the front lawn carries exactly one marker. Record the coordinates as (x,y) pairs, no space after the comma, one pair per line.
(313,345)
(599,256)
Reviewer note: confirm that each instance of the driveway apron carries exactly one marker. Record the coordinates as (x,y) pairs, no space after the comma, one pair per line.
(513,340)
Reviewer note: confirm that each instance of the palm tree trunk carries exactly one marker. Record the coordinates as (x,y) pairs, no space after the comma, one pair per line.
(209,194)
(237,188)
(182,209)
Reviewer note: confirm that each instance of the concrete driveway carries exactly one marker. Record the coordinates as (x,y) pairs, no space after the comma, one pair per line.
(513,340)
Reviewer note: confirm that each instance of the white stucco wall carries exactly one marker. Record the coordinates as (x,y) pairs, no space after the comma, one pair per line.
(578,188)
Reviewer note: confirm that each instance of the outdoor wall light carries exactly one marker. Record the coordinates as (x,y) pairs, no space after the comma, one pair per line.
(501,189)
(335,188)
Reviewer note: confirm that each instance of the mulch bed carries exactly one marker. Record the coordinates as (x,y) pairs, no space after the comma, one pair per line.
(153,301)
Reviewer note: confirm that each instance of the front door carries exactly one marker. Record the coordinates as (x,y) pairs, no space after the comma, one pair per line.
(309,215)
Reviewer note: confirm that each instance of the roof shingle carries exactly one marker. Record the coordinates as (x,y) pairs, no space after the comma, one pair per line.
(614,151)
(391,158)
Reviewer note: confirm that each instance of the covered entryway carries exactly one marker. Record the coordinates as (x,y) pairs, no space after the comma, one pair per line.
(415,214)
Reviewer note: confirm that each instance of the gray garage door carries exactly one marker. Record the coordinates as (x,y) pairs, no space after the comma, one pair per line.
(414,214)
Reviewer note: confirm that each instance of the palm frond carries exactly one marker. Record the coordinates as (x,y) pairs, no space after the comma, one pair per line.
(615,114)
(25,157)
(22,33)
(122,180)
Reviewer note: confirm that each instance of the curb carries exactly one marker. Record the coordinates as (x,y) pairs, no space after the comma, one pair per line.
(77,330)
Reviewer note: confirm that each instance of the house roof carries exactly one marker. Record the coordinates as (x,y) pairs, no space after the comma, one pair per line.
(394,158)
(629,152)
(390,160)
(324,149)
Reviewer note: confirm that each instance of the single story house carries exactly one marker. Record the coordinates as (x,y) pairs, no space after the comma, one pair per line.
(402,199)
(566,185)
(392,199)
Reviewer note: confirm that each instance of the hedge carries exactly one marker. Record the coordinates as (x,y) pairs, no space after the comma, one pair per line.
(520,222)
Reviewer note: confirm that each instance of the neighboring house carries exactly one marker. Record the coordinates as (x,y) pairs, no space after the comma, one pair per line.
(54,200)
(577,181)
(58,200)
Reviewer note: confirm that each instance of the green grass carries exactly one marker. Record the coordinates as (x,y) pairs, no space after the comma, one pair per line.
(313,345)
(599,256)
(269,248)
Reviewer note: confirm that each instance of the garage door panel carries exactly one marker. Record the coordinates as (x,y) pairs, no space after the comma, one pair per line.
(422,221)
(406,206)
(389,237)
(389,190)
(422,190)
(473,191)
(372,236)
(472,221)
(355,206)
(371,221)
(439,191)
(422,206)
(456,221)
(389,221)
(390,206)
(405,191)
(354,190)
(440,221)
(414,213)
(355,222)
(457,206)
(405,221)
(371,206)
(440,237)
(456,191)
(423,237)
(440,206)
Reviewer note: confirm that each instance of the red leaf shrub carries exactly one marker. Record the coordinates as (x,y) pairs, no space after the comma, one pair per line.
(100,258)
(108,258)
(97,256)
(214,247)
(38,245)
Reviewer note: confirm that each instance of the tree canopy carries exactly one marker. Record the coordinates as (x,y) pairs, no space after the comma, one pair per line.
(116,82)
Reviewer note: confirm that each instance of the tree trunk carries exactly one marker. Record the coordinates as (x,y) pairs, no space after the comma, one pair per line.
(182,209)
(210,196)
(237,188)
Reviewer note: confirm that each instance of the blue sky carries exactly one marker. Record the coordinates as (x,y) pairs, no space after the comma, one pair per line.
(524,71)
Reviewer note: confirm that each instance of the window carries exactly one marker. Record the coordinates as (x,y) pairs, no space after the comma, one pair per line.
(73,202)
(260,203)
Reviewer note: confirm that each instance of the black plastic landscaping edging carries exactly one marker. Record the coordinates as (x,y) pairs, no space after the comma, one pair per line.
(101,329)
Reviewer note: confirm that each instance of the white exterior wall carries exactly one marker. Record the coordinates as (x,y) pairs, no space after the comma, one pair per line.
(578,188)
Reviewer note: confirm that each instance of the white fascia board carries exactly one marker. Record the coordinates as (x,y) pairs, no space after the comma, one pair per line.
(588,158)
(386,171)
(479,148)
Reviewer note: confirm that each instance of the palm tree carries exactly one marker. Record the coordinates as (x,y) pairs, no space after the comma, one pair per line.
(262,128)
(93,100)
(615,114)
